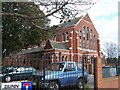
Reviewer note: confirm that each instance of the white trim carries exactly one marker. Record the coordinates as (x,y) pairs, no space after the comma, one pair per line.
(80,20)
(77,37)
(65,53)
(67,41)
(70,37)
(80,54)
(63,41)
(76,31)
(87,21)
(86,49)
(70,47)
(71,32)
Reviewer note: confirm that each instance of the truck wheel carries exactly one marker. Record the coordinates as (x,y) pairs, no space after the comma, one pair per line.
(7,79)
(53,86)
(80,84)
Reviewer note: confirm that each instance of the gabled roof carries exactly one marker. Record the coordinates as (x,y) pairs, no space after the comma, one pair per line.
(38,49)
(71,22)
(74,22)
(56,45)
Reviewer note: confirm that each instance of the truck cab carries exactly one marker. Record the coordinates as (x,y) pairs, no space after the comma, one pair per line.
(60,74)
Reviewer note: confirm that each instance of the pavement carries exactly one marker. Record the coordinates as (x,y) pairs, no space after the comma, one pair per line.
(91,81)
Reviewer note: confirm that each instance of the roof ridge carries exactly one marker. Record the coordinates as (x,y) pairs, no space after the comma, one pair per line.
(71,22)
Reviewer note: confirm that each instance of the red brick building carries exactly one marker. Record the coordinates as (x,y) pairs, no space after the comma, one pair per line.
(75,39)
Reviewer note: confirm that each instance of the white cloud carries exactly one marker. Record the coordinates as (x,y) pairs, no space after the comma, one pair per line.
(105,18)
(104,8)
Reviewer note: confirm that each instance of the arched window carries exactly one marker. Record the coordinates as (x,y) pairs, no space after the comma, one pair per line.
(54,37)
(66,36)
(62,58)
(66,58)
(80,38)
(95,42)
(84,36)
(91,34)
(63,37)
(24,61)
(87,30)
(90,41)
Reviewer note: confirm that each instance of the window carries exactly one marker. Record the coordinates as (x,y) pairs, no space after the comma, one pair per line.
(66,36)
(84,42)
(62,58)
(80,38)
(66,58)
(56,67)
(79,65)
(70,67)
(92,60)
(24,61)
(54,37)
(95,42)
(91,34)
(21,69)
(90,41)
(63,37)
(87,30)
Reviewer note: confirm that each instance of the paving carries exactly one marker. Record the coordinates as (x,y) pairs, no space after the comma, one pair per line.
(91,81)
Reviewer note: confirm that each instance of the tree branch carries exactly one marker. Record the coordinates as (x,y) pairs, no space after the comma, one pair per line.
(31,18)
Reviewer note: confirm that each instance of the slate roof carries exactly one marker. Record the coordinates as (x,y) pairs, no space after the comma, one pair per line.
(70,22)
(38,49)
(58,45)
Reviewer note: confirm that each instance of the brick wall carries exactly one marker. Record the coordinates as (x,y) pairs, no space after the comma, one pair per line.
(111,82)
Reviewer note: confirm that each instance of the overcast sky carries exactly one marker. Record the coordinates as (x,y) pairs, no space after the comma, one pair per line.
(104,16)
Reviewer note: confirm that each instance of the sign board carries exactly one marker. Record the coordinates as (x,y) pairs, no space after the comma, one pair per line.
(16,86)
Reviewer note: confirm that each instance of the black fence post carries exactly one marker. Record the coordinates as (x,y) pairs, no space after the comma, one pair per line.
(83,70)
(95,72)
(44,62)
(117,68)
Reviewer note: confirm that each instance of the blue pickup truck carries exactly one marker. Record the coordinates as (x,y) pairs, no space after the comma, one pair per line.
(60,74)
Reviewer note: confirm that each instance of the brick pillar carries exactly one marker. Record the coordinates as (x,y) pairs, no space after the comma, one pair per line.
(99,72)
(77,46)
(71,45)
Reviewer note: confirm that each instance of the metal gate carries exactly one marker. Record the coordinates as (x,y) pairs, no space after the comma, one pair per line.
(29,67)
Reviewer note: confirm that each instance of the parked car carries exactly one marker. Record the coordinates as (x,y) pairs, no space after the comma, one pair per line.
(16,73)
(60,74)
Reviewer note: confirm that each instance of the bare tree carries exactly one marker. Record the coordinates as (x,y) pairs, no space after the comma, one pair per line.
(111,49)
(62,9)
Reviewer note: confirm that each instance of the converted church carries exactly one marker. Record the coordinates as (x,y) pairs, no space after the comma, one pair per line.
(75,39)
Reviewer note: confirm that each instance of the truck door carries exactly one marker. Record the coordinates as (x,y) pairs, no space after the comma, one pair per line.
(70,73)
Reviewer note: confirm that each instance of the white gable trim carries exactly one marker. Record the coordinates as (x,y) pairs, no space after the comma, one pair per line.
(80,20)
